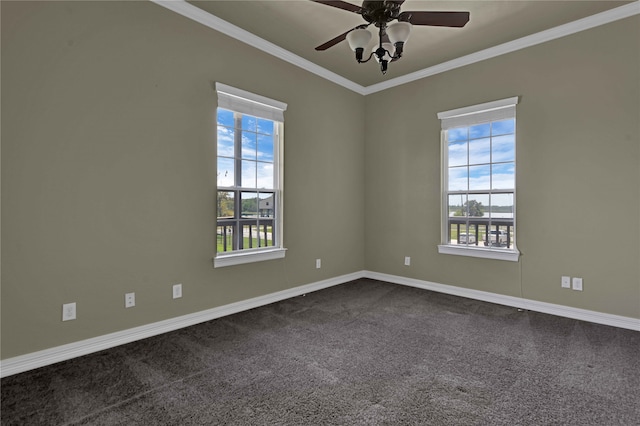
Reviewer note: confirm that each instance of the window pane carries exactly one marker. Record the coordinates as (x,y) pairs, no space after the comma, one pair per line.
(458,179)
(225,172)
(265,175)
(502,206)
(502,212)
(469,237)
(248,174)
(479,177)
(480,131)
(225,117)
(225,205)
(503,148)
(266,206)
(249,123)
(503,176)
(266,233)
(456,205)
(454,232)
(265,148)
(458,134)
(480,151)
(226,137)
(498,236)
(265,126)
(458,153)
(503,127)
(478,205)
(224,236)
(250,236)
(249,145)
(249,207)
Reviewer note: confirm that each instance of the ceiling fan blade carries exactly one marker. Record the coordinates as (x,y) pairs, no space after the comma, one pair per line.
(340,5)
(436,19)
(338,39)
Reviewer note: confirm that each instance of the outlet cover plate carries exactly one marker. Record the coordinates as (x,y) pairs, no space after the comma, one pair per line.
(177,291)
(69,311)
(566,282)
(577,283)
(129,300)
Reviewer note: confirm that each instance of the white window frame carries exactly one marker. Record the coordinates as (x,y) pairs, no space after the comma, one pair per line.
(462,117)
(241,101)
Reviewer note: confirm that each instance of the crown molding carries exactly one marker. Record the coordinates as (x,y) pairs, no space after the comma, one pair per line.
(196,14)
(564,30)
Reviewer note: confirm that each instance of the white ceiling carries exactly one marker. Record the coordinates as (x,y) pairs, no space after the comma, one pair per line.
(298,26)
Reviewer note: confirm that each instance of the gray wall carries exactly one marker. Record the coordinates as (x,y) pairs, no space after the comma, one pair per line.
(108,173)
(108,169)
(577,175)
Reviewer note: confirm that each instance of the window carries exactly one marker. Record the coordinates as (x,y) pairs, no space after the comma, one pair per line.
(479,196)
(249,177)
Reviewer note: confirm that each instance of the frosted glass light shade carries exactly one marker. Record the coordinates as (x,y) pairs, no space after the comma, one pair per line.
(359,38)
(399,32)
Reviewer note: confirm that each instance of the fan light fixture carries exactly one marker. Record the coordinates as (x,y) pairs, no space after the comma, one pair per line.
(397,33)
(391,37)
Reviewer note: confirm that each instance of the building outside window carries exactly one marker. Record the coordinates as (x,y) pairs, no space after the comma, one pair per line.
(249,177)
(479,188)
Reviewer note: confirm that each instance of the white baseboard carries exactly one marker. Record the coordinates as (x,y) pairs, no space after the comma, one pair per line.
(46,357)
(516,302)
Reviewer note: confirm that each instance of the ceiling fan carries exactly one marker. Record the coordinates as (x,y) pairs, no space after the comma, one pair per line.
(391,37)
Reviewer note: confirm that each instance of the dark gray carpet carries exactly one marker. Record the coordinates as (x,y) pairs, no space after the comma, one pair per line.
(362,353)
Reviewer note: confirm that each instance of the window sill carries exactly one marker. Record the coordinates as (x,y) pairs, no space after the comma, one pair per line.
(248,257)
(486,253)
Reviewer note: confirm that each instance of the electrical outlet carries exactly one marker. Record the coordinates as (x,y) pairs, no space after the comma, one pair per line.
(318,263)
(577,283)
(129,300)
(407,261)
(566,282)
(69,311)
(177,291)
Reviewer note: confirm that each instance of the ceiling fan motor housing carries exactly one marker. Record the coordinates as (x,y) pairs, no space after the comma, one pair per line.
(380,13)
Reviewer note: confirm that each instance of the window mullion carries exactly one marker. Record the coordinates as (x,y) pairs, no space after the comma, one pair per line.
(238,150)
(237,145)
